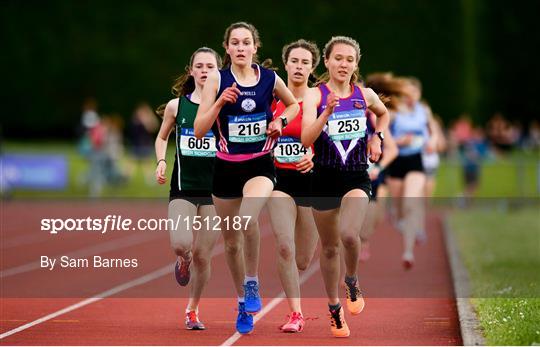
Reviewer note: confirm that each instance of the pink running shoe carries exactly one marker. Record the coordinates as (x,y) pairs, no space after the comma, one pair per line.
(295,324)
(192,321)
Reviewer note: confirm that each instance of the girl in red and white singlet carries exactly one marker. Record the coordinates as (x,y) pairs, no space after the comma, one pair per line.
(289,207)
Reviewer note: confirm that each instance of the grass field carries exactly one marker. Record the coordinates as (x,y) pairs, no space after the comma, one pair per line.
(513,176)
(501,251)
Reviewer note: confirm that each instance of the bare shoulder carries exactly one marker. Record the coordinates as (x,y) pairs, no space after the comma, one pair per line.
(313,94)
(369,93)
(172,107)
(371,97)
(425,105)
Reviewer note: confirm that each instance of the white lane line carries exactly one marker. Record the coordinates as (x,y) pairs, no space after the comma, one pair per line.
(128,285)
(272,304)
(22,240)
(99,248)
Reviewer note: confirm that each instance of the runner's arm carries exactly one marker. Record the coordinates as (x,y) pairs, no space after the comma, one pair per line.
(169,118)
(311,124)
(209,107)
(288,99)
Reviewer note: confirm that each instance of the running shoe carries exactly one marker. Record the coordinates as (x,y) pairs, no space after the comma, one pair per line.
(181,272)
(193,322)
(295,324)
(365,254)
(244,322)
(355,300)
(252,297)
(338,326)
(408,261)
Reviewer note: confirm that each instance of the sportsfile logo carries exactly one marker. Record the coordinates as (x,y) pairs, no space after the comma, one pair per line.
(119,223)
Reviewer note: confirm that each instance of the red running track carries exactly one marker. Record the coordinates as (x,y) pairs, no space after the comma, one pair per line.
(414,307)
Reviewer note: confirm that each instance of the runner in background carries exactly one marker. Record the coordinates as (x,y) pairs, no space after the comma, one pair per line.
(389,92)
(236,104)
(290,207)
(191,179)
(413,129)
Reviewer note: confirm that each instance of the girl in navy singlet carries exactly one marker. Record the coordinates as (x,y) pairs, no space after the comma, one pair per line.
(335,120)
(236,104)
(190,191)
(289,207)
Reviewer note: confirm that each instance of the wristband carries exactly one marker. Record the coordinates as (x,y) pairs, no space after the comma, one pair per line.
(163,160)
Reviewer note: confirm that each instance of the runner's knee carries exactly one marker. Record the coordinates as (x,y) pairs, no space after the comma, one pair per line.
(201,258)
(330,251)
(349,239)
(232,248)
(302,263)
(181,249)
(285,251)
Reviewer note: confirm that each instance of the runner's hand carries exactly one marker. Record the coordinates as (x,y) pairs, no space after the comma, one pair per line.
(161,169)
(332,100)
(374,151)
(305,164)
(229,95)
(404,140)
(431,146)
(374,173)
(274,128)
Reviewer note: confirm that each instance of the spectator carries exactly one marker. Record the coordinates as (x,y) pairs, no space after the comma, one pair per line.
(143,128)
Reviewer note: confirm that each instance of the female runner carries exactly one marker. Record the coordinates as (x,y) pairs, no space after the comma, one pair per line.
(335,120)
(236,104)
(191,180)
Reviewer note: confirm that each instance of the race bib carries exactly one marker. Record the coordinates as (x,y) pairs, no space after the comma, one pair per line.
(191,146)
(290,150)
(347,125)
(247,128)
(417,142)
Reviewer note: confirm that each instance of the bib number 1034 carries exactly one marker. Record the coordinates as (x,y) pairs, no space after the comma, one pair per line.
(290,150)
(247,128)
(347,125)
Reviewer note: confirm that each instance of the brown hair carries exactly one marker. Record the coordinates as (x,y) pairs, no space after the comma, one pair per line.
(185,83)
(254,33)
(387,86)
(309,46)
(327,50)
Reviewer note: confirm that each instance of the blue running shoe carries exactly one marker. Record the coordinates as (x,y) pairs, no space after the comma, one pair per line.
(252,297)
(244,322)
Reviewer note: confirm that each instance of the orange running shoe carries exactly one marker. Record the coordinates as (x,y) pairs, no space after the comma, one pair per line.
(355,300)
(338,326)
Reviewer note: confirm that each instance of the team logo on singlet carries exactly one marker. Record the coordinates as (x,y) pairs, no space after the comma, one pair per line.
(248,105)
